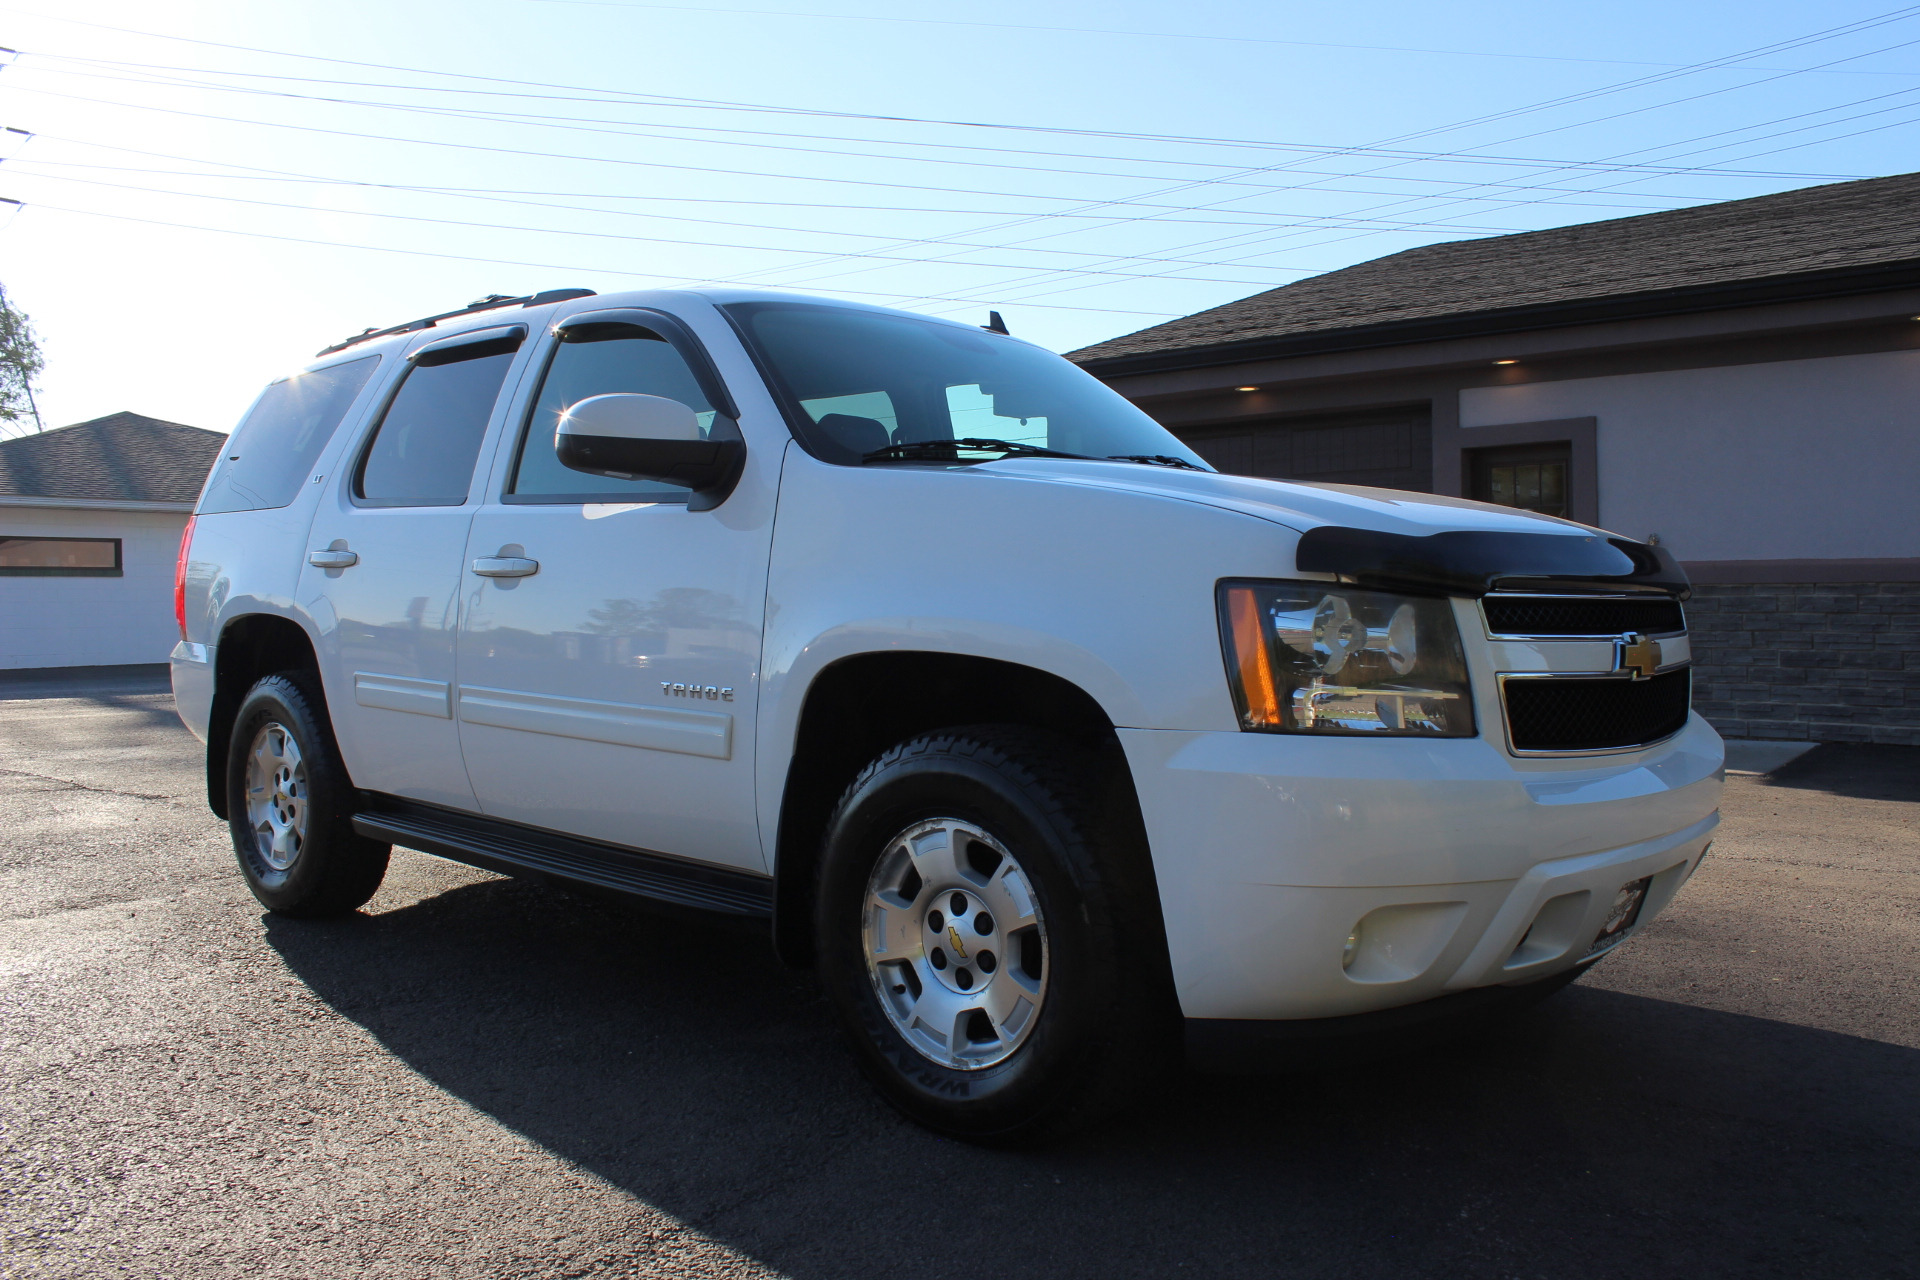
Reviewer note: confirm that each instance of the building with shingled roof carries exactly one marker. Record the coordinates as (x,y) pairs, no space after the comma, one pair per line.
(90,524)
(1739,380)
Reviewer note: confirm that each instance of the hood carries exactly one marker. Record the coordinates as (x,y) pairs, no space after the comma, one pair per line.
(1393,537)
(1299,506)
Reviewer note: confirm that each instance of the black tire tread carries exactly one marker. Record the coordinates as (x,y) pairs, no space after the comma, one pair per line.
(348,868)
(1087,801)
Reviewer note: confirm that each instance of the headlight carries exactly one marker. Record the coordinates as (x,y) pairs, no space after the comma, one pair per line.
(1304,657)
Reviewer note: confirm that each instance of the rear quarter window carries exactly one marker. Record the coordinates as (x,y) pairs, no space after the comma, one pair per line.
(271,454)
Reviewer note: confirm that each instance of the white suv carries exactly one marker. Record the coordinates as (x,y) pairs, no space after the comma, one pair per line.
(1048,747)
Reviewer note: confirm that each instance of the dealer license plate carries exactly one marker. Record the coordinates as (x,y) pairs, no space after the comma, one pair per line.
(1624,913)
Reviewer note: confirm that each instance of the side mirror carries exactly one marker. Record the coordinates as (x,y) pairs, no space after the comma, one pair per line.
(630,436)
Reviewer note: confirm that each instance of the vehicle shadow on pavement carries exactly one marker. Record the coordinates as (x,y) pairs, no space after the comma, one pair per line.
(150,710)
(1857,770)
(1603,1134)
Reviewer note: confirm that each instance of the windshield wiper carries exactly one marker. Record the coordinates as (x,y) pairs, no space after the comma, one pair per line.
(908,450)
(1154,460)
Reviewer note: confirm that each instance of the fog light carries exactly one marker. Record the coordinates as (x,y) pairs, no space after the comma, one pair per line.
(1351,949)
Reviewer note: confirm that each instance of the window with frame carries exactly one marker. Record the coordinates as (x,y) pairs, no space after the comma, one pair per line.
(597,360)
(273,451)
(423,451)
(34,557)
(1531,477)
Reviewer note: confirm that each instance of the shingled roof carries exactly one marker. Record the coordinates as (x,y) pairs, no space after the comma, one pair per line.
(1843,237)
(123,457)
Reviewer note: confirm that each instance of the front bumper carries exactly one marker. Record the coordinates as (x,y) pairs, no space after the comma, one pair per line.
(1462,866)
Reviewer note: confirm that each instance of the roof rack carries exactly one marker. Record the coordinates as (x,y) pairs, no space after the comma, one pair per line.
(492,302)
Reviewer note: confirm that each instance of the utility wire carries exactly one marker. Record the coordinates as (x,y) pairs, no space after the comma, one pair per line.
(1151,35)
(1265,221)
(178,77)
(625,129)
(1778,46)
(489,261)
(1126,135)
(1427,201)
(1816,37)
(700,244)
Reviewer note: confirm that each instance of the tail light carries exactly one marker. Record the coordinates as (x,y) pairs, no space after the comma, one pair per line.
(180,578)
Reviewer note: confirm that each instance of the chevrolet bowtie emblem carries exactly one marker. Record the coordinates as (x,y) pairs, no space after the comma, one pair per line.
(1635,653)
(953,936)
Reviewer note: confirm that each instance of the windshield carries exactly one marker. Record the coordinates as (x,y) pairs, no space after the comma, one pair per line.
(863,380)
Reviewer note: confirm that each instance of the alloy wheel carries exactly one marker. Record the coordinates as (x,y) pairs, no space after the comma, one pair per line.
(955,943)
(276,796)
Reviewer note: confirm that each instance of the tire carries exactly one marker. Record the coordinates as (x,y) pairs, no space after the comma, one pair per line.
(290,807)
(1042,841)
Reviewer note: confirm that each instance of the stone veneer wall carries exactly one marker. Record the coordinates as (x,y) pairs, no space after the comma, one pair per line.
(1831,662)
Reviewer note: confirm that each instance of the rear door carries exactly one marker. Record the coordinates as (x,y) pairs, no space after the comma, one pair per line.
(607,687)
(385,569)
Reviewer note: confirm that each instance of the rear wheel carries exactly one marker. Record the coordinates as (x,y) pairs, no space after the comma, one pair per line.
(989,933)
(290,808)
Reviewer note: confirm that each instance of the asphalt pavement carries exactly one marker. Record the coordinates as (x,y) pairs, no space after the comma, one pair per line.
(481,1077)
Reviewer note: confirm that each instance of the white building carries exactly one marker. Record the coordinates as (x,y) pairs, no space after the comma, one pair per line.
(90,523)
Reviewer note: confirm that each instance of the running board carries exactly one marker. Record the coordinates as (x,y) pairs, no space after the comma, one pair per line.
(515,850)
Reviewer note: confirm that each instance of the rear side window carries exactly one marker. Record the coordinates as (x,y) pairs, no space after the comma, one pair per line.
(424,449)
(271,454)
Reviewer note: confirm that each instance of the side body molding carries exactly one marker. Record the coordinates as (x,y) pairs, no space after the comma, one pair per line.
(403,693)
(693,733)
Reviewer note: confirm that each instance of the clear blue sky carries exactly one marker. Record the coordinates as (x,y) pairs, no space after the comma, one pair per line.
(1146,160)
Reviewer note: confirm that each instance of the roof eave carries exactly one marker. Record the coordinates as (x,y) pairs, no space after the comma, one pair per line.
(1832,282)
(92,504)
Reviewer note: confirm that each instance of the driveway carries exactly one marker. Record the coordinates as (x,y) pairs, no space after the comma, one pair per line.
(482,1077)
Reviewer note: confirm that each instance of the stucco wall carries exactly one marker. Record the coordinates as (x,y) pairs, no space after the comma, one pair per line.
(62,622)
(1792,460)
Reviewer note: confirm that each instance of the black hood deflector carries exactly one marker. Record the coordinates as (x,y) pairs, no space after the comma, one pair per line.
(1474,562)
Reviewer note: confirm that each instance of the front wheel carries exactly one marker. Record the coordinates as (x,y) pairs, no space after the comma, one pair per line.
(290,808)
(988,930)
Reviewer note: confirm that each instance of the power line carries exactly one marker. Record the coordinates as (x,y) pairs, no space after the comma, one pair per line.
(700,244)
(716,104)
(495,262)
(1049,293)
(507,196)
(1151,35)
(1777,46)
(1401,157)
(647,164)
(1816,37)
(631,129)
(1732,59)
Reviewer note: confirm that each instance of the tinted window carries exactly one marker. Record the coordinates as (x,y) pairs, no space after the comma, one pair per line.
(863,380)
(424,449)
(60,557)
(595,360)
(1531,477)
(270,456)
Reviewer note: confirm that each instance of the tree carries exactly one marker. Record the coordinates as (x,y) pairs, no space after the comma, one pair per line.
(20,364)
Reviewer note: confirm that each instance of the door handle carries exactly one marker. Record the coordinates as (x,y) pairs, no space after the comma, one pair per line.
(506,567)
(333,558)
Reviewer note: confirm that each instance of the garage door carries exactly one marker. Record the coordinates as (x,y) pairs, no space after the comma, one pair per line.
(1391,449)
